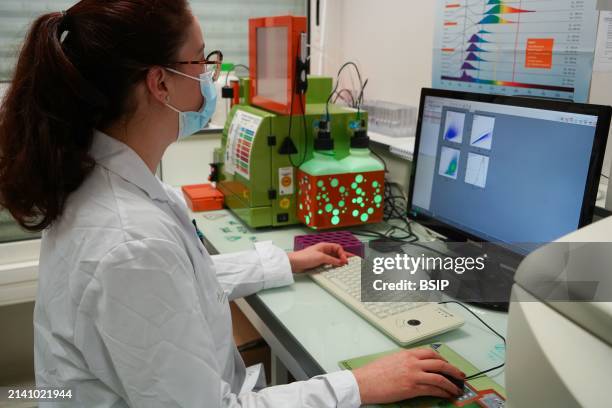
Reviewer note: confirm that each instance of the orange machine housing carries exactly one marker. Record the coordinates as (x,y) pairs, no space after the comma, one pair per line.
(340,200)
(295,26)
(203,197)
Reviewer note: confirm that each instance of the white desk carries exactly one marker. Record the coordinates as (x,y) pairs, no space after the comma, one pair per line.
(309,331)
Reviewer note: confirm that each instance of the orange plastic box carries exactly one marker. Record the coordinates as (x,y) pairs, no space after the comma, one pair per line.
(203,197)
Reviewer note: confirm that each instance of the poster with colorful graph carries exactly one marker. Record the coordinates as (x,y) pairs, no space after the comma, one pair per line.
(533,48)
(482,132)
(453,128)
(449,163)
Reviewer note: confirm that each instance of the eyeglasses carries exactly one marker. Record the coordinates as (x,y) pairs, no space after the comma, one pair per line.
(212,62)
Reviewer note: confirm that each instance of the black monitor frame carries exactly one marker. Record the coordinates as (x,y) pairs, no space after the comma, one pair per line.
(603,114)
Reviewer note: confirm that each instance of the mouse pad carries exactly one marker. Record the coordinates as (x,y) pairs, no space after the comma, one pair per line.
(478,393)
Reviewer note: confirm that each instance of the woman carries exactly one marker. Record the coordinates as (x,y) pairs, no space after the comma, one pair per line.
(131,310)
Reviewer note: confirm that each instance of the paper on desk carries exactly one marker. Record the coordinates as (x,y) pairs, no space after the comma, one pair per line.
(603,50)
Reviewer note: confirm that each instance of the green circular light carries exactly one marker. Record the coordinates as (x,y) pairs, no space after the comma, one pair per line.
(328,208)
(359,199)
(320,183)
(364,217)
(342,189)
(355,213)
(375,184)
(359,178)
(335,220)
(336,212)
(301,206)
(370,210)
(359,190)
(323,189)
(377,199)
(320,212)
(362,205)
(341,203)
(307,219)
(334,182)
(354,186)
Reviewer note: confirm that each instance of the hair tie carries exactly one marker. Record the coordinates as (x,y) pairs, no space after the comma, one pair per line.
(65,31)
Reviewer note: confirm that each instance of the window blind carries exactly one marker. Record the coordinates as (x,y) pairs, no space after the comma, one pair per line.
(224,23)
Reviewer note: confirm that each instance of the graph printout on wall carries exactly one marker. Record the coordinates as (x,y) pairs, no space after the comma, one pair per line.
(533,48)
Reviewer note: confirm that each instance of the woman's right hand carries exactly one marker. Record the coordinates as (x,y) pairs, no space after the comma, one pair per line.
(406,374)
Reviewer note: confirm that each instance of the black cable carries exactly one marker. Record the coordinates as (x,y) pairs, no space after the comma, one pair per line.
(379,158)
(478,374)
(306,132)
(339,95)
(360,99)
(604,176)
(346,64)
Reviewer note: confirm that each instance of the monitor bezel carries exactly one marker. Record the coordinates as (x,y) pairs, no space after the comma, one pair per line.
(603,114)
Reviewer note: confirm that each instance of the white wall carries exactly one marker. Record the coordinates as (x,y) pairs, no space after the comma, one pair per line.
(392,41)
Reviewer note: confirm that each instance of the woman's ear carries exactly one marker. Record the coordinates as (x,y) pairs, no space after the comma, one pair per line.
(158,84)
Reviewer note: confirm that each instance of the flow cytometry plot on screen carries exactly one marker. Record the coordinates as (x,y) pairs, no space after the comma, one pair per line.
(477,169)
(449,163)
(482,132)
(453,128)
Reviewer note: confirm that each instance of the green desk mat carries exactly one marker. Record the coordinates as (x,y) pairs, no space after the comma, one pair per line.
(476,396)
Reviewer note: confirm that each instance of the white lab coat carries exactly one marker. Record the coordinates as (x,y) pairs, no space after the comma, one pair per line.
(132,311)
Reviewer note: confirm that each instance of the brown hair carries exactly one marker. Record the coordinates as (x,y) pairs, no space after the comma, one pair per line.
(75,72)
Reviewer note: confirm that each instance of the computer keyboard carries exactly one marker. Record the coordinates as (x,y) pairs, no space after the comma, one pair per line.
(348,279)
(405,322)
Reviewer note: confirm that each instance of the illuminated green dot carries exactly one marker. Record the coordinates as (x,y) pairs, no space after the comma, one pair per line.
(359,190)
(318,197)
(328,208)
(354,186)
(341,203)
(359,199)
(323,189)
(362,205)
(364,217)
(359,178)
(327,200)
(355,213)
(377,205)
(336,212)
(370,210)
(301,206)
(342,189)
(375,184)
(307,219)
(320,212)
(320,183)
(354,200)
(377,199)
(334,182)
(335,220)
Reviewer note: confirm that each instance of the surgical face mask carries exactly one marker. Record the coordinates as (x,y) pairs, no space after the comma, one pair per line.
(192,122)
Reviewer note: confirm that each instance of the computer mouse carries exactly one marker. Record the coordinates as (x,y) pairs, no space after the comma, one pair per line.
(460,383)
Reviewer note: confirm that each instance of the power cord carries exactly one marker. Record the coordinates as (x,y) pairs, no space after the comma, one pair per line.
(480,373)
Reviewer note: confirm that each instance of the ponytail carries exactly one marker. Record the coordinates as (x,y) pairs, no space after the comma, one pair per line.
(75,72)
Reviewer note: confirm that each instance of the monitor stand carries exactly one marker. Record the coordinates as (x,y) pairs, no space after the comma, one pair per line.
(489,288)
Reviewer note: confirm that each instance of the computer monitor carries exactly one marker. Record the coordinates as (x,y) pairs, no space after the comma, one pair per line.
(514,171)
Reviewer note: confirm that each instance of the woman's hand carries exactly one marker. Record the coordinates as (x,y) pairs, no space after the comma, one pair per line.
(406,374)
(316,255)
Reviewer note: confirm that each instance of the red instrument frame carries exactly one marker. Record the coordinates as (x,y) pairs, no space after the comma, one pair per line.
(296,25)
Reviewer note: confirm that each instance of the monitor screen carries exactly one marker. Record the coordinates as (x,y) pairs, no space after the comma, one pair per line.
(503,173)
(272,43)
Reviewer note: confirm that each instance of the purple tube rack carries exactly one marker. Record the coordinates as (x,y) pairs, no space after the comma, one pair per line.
(348,241)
